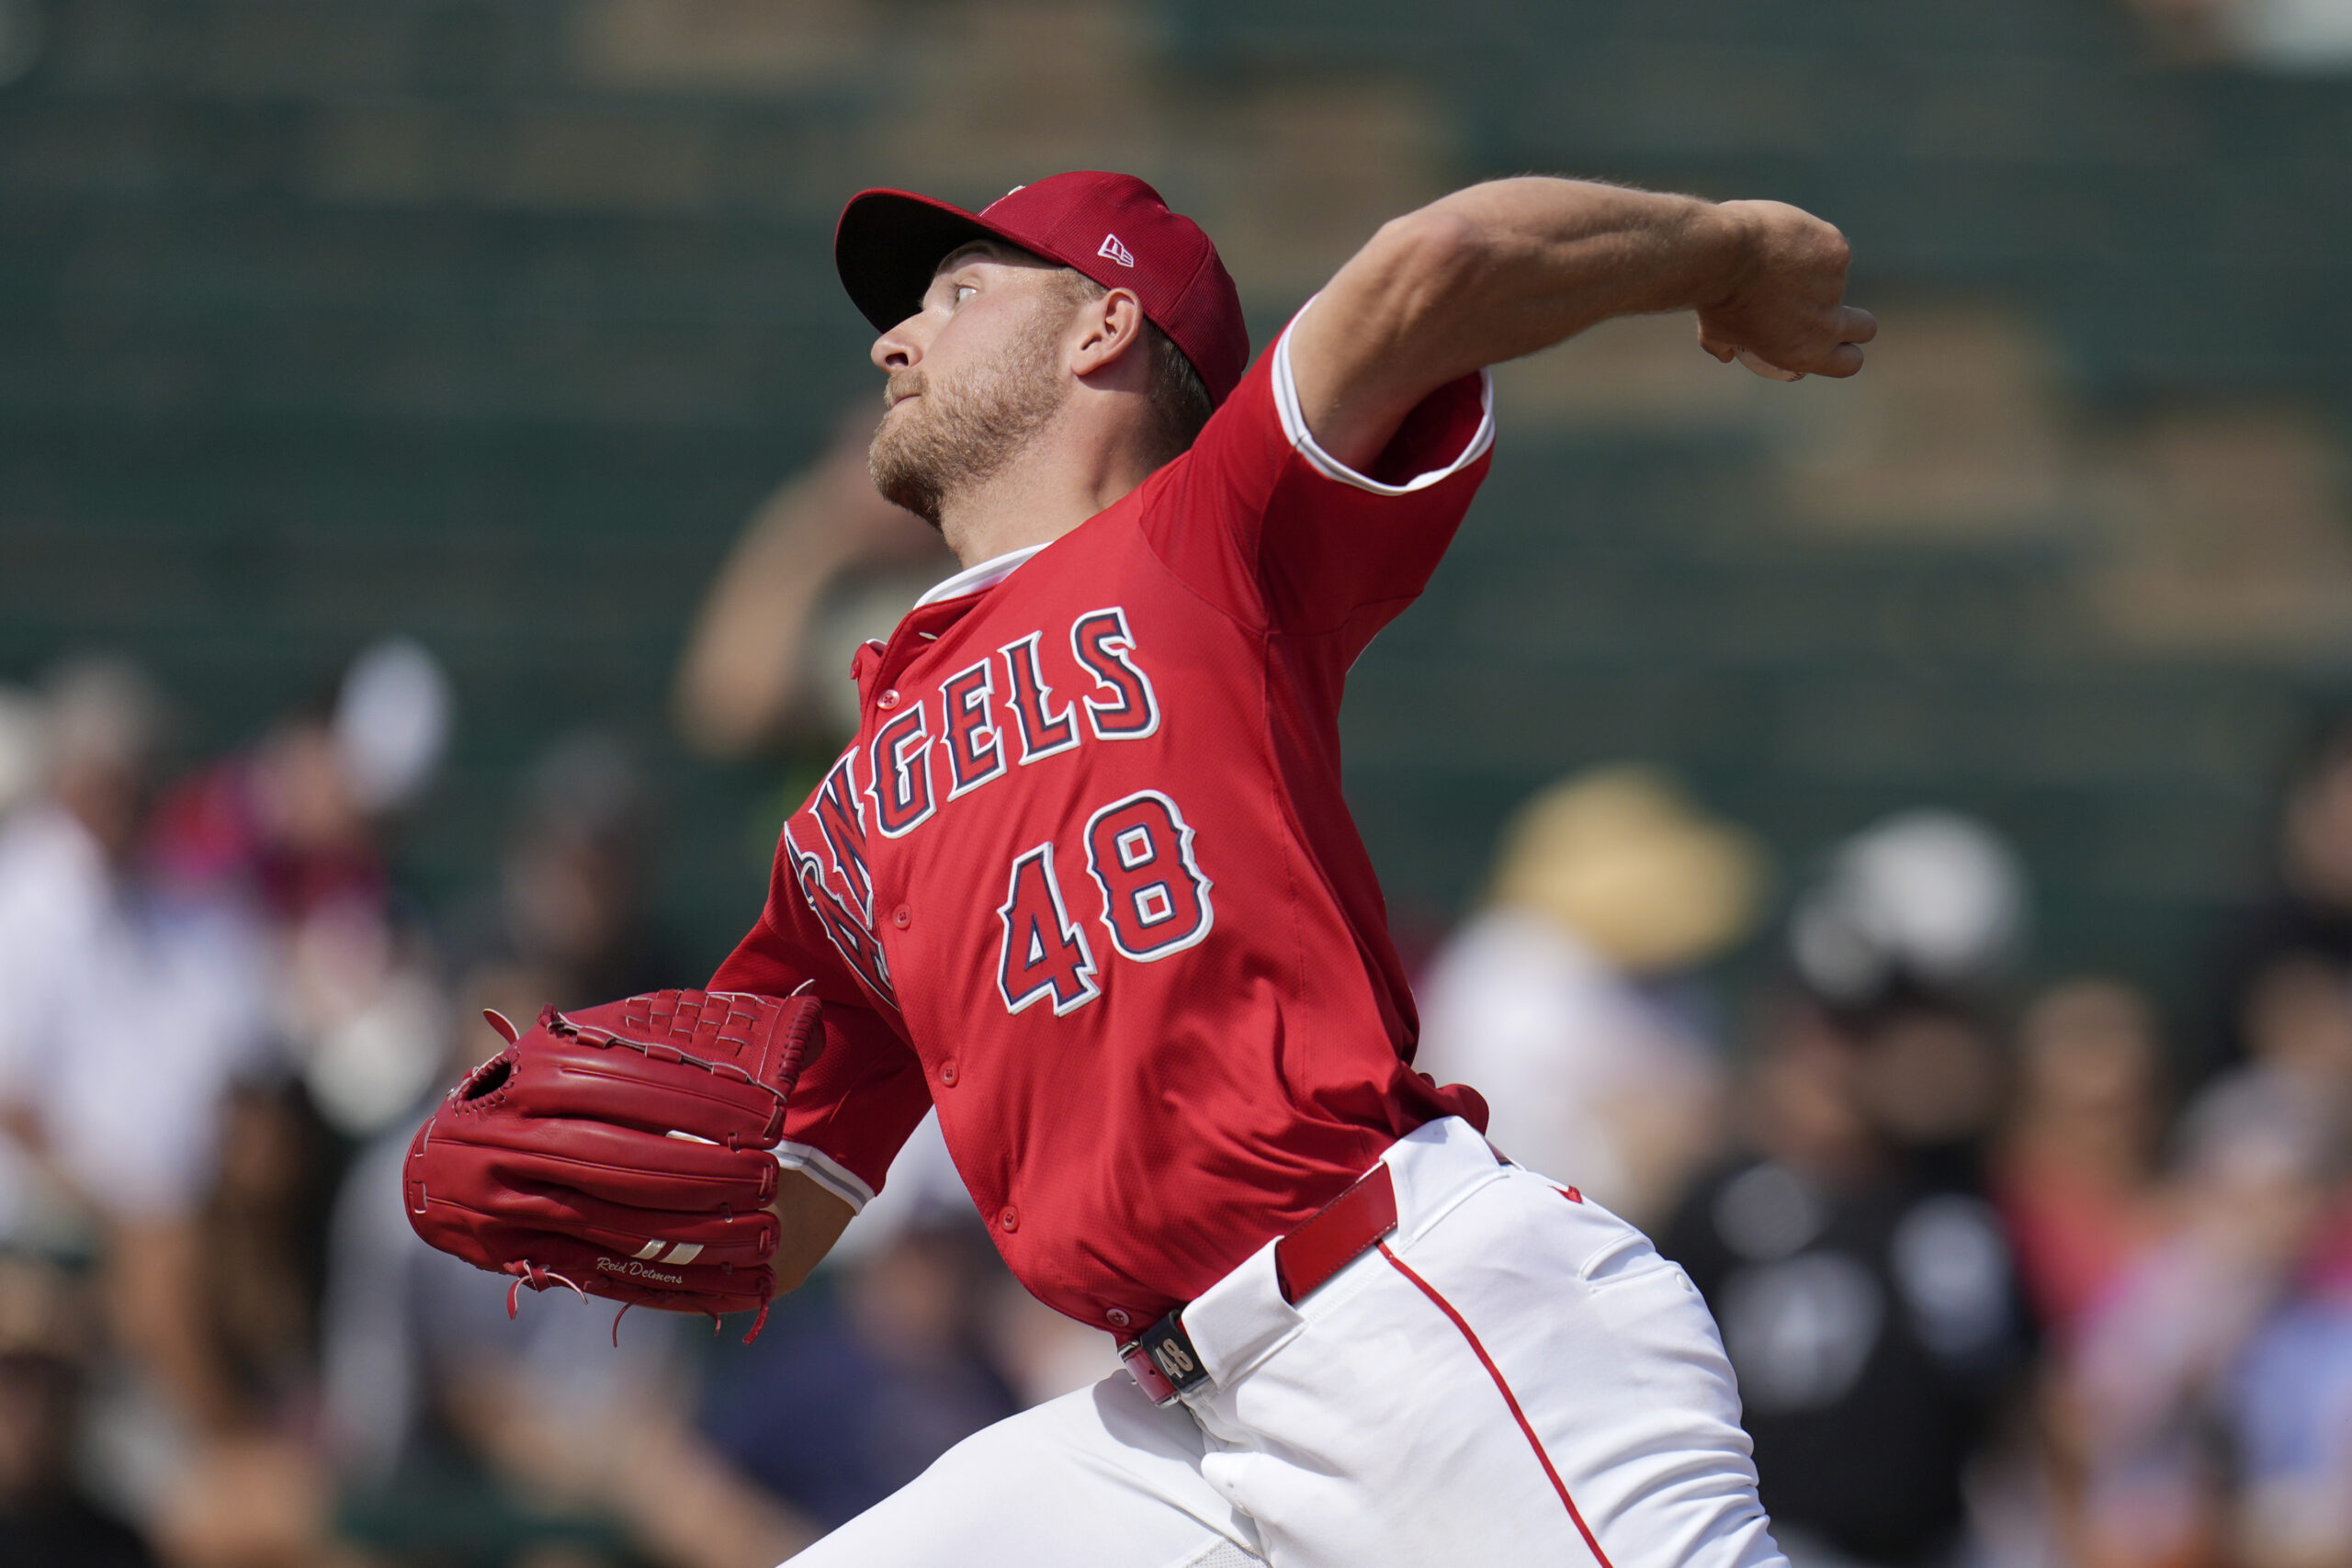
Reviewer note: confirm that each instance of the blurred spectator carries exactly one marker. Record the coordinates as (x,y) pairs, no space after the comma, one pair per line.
(291,836)
(824,564)
(2288,1405)
(1928,902)
(2307,915)
(2298,1031)
(135,1010)
(463,1436)
(567,922)
(1865,1297)
(891,1348)
(262,1232)
(45,1520)
(2140,1401)
(20,744)
(1865,1292)
(912,1336)
(1564,1002)
(294,828)
(130,1011)
(47,1523)
(2076,1173)
(294,822)
(1913,932)
(2202,1410)
(1035,1350)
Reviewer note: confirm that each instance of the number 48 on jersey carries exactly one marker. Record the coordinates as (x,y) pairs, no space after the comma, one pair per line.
(1154,900)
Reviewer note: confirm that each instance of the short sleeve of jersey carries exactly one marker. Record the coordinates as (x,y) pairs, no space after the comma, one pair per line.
(861,1092)
(1259,520)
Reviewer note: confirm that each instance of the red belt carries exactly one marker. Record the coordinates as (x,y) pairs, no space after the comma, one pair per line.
(1161,1358)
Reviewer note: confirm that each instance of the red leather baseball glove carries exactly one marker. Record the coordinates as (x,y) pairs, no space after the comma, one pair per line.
(621,1150)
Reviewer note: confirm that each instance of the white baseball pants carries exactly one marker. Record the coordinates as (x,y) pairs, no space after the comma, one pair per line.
(1512,1377)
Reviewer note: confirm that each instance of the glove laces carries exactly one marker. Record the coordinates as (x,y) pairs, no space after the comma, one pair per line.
(539,1278)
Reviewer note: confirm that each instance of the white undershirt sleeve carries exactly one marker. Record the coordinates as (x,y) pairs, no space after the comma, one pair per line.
(826,1172)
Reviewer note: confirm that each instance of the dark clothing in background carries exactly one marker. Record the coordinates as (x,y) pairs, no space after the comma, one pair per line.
(639,959)
(67,1533)
(2285,925)
(1871,1330)
(825,1423)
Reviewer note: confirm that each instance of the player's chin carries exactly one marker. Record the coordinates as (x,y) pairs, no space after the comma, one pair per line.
(900,422)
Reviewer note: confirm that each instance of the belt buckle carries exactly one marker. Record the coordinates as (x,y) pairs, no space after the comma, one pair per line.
(1163,1361)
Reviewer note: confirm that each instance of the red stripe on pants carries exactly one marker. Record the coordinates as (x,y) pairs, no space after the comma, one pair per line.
(1508,1398)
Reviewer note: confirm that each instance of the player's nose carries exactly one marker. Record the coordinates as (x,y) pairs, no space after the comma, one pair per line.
(898,349)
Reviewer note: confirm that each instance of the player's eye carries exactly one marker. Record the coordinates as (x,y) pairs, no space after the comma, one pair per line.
(963,288)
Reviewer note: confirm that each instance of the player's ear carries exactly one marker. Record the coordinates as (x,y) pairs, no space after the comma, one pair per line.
(1110,329)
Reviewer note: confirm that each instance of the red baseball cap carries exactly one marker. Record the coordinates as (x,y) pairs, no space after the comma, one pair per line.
(1113,228)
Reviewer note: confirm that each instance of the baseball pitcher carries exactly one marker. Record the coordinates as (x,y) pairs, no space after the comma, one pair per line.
(1085,883)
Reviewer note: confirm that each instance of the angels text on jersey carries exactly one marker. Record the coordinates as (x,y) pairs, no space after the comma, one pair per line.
(1141,879)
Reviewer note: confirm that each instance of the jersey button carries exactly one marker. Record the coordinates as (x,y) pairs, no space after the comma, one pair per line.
(902,917)
(887,700)
(947,1076)
(1117,1317)
(1009,1219)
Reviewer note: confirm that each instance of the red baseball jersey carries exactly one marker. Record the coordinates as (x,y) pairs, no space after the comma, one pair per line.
(1085,880)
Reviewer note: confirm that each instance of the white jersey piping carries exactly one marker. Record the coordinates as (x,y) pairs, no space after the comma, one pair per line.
(1303,439)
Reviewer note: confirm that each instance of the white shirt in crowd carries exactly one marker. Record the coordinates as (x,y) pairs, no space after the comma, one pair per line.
(1566,1051)
(127,1016)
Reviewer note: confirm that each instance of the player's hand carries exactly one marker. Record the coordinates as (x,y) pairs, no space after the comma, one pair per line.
(1787,304)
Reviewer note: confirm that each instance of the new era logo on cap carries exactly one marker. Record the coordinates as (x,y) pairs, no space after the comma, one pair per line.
(1115,251)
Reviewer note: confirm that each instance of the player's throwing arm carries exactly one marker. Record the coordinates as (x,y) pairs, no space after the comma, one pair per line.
(1505,269)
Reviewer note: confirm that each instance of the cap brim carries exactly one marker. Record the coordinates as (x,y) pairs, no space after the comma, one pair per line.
(889,245)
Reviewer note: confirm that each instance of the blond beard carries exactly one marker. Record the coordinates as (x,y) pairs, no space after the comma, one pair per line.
(961,433)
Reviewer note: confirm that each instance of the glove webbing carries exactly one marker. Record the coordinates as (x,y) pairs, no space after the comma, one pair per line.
(663,1019)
